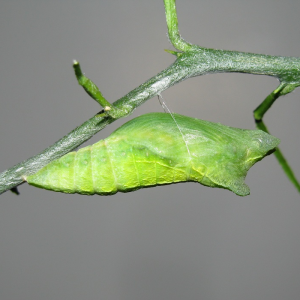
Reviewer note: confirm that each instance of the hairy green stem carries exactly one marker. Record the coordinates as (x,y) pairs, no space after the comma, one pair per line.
(172,23)
(89,86)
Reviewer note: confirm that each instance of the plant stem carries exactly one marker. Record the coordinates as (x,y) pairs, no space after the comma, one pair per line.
(194,61)
(281,159)
(172,23)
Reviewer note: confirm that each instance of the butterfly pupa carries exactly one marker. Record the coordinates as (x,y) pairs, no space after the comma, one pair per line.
(150,150)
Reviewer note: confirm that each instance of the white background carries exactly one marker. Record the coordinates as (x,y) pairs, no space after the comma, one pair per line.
(182,241)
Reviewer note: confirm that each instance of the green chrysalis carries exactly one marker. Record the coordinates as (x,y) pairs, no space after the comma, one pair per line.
(153,150)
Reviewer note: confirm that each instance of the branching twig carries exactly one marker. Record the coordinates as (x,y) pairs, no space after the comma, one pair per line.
(192,61)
